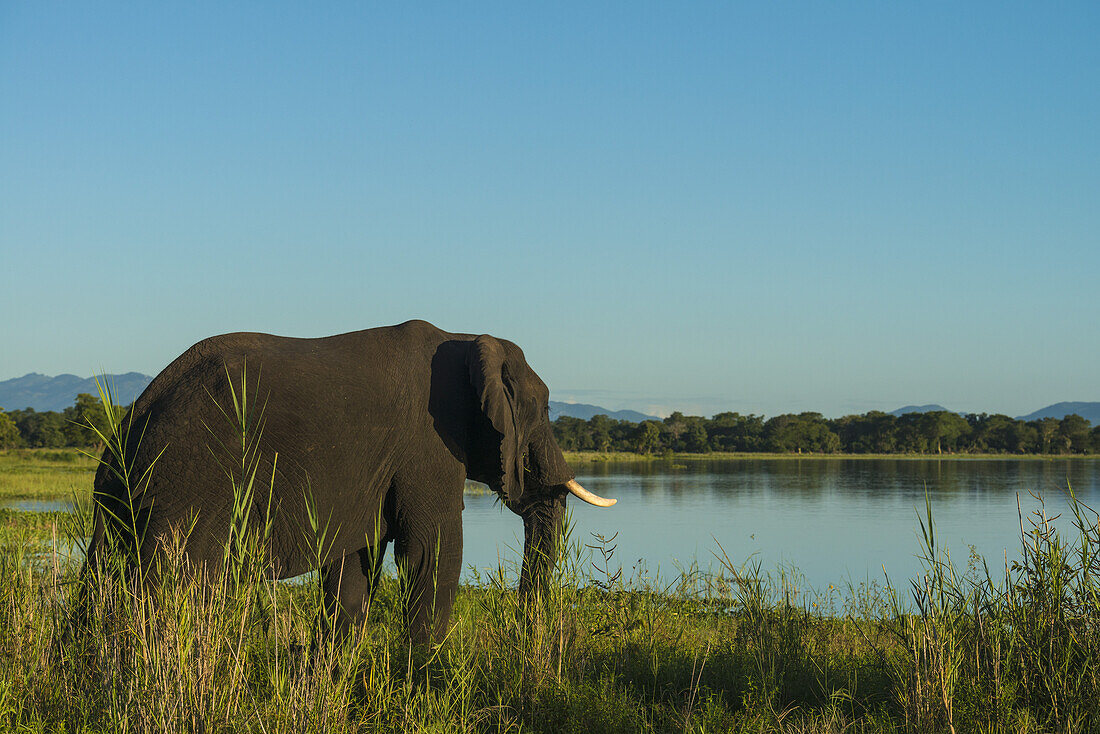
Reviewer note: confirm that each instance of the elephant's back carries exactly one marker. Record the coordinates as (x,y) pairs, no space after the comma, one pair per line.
(370,352)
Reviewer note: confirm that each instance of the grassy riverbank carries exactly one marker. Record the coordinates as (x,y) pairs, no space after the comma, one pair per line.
(964,648)
(976,650)
(46,474)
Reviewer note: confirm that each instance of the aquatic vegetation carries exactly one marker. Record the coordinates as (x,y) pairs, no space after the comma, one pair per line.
(962,649)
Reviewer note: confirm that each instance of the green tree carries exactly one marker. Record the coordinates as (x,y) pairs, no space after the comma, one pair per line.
(872,433)
(622,435)
(1046,428)
(1002,433)
(647,437)
(1023,438)
(802,432)
(942,429)
(675,425)
(599,427)
(695,437)
(87,410)
(9,432)
(909,436)
(570,432)
(1073,434)
(735,432)
(40,430)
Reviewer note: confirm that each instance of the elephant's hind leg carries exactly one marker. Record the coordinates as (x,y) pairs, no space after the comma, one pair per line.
(429,559)
(347,585)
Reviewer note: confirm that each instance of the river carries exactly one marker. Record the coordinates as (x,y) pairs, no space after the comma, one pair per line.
(834,520)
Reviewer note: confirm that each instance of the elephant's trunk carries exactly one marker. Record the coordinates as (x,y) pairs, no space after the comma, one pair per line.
(581,493)
(542,528)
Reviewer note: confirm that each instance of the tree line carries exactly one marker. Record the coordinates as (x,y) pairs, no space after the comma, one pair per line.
(939,432)
(28,428)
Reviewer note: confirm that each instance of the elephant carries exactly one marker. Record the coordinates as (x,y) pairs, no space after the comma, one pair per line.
(371,433)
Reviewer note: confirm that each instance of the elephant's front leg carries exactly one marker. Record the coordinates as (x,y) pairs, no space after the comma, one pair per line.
(428,551)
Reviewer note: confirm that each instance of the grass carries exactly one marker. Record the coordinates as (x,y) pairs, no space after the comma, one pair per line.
(963,649)
(22,527)
(597,654)
(46,474)
(958,649)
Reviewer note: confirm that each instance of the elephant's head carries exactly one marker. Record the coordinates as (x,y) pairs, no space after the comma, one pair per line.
(519,457)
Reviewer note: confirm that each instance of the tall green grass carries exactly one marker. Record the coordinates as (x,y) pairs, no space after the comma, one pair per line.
(1016,649)
(739,650)
(962,648)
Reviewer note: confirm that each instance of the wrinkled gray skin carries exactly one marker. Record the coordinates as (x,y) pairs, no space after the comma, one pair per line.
(380,427)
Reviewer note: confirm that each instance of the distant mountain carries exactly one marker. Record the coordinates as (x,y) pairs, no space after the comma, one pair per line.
(933,408)
(43,392)
(1088,411)
(584,412)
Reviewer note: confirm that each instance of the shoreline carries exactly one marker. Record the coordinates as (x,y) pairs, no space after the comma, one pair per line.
(77,460)
(597,457)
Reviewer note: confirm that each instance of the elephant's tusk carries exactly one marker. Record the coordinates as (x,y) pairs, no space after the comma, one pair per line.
(581,493)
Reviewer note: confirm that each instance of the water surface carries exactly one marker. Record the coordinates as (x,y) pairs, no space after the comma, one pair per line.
(834,520)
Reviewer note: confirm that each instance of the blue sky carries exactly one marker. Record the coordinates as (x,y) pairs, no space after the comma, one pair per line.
(763,207)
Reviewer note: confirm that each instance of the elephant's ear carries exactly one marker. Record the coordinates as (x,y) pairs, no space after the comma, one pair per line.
(496,392)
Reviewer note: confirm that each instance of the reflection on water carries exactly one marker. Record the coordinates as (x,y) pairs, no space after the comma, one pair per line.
(832,519)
